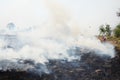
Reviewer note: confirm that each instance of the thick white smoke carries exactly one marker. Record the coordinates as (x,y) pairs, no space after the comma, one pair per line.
(52,40)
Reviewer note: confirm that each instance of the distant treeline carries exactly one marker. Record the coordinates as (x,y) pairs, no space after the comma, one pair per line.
(105,30)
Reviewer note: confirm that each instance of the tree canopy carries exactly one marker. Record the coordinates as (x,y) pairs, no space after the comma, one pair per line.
(105,30)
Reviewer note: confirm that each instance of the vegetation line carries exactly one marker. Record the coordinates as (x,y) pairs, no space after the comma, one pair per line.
(107,34)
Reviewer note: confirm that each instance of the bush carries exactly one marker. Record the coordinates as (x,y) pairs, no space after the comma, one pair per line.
(117,31)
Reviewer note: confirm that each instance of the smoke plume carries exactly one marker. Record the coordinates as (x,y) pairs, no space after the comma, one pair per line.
(57,39)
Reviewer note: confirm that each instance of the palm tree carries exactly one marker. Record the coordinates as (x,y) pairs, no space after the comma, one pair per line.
(108,30)
(102,30)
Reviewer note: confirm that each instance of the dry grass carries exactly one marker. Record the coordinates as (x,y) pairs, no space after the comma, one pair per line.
(115,41)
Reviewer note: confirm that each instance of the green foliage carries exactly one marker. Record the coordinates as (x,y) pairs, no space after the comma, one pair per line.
(102,30)
(117,31)
(105,30)
(108,30)
(118,26)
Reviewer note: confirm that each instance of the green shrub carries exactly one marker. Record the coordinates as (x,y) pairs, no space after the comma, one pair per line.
(117,31)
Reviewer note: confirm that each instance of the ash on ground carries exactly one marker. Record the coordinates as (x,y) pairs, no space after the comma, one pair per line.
(90,67)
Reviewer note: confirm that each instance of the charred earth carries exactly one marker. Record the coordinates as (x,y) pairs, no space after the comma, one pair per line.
(90,67)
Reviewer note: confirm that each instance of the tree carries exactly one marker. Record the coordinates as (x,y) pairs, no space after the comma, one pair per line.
(105,30)
(102,30)
(117,31)
(118,13)
(108,30)
(11,26)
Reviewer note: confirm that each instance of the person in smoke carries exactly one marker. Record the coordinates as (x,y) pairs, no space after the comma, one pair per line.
(103,39)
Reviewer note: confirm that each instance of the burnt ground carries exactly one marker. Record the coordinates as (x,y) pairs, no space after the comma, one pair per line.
(90,67)
(115,66)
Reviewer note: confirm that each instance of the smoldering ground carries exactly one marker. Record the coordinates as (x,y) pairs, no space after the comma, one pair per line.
(60,39)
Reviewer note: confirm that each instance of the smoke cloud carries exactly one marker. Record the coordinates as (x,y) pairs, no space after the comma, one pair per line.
(56,39)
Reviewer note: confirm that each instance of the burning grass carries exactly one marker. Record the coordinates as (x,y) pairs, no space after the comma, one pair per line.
(90,67)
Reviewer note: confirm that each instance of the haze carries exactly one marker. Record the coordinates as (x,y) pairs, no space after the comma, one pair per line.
(88,14)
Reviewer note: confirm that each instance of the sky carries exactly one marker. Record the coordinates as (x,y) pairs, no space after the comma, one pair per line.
(88,14)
